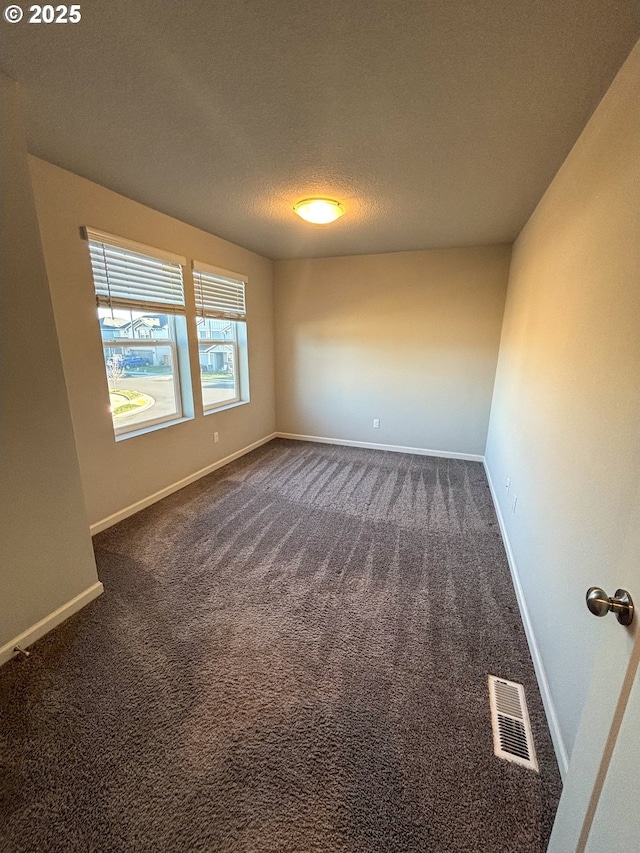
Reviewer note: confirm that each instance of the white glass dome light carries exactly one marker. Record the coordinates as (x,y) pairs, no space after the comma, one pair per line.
(319,211)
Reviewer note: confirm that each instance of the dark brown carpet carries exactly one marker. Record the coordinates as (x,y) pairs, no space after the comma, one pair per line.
(290,655)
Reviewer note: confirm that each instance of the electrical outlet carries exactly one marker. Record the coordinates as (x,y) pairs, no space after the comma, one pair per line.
(216,437)
(376,423)
(507,483)
(514,503)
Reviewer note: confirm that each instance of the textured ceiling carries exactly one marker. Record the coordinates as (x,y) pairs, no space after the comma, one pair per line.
(435,122)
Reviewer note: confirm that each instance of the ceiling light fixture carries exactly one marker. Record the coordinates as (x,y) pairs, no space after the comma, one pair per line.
(320,211)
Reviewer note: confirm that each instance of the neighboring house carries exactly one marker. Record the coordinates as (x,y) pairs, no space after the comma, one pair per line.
(216,357)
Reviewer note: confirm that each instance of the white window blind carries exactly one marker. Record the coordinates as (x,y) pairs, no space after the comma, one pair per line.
(219,293)
(129,275)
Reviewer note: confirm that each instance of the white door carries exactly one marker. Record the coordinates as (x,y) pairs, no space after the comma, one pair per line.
(616,823)
(599,811)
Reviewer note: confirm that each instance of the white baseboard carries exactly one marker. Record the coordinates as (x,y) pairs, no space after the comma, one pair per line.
(545,692)
(174,487)
(395,448)
(51,621)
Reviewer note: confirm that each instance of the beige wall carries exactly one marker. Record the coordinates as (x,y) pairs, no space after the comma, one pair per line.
(117,475)
(566,410)
(46,560)
(410,338)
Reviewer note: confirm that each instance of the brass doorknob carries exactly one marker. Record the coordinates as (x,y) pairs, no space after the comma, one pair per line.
(621,604)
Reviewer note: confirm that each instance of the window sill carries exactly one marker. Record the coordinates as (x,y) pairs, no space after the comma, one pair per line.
(212,411)
(152,428)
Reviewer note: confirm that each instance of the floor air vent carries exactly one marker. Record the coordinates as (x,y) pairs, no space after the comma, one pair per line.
(512,737)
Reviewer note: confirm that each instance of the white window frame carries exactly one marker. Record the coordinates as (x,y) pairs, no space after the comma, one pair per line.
(168,343)
(226,302)
(150,293)
(232,343)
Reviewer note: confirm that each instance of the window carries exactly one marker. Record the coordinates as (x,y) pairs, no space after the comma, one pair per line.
(141,307)
(222,338)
